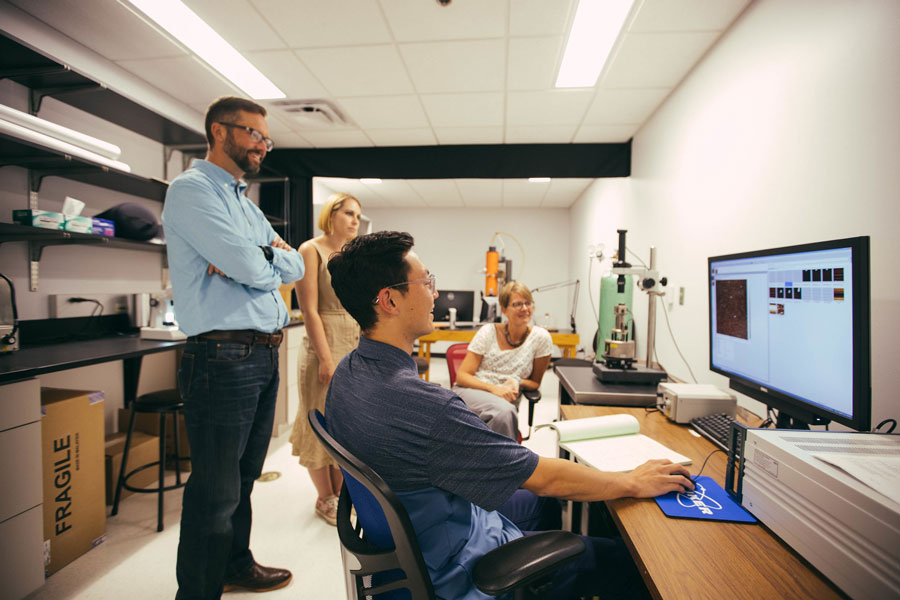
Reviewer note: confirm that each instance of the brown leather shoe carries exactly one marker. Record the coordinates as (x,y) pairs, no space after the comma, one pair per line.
(258,579)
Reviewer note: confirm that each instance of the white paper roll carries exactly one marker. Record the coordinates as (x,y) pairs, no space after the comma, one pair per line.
(59,132)
(24,133)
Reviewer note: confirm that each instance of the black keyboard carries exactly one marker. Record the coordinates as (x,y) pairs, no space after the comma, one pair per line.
(715,428)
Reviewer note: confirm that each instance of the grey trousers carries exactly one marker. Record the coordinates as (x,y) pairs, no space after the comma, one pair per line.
(498,414)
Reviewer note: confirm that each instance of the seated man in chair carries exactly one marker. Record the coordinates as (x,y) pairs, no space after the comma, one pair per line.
(466,488)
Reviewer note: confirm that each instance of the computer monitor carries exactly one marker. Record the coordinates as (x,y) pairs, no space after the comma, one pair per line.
(462,300)
(790,328)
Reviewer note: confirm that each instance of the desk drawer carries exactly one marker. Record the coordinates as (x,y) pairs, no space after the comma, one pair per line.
(20,469)
(20,403)
(21,546)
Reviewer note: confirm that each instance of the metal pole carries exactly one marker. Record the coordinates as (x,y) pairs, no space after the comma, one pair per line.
(651,313)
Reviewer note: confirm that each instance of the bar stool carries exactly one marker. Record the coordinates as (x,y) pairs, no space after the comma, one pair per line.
(421,365)
(164,403)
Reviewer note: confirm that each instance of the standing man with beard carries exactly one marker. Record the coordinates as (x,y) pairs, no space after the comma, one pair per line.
(227,264)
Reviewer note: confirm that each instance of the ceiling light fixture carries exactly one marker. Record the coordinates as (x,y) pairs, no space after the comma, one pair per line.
(192,31)
(595,29)
(370,180)
(539,180)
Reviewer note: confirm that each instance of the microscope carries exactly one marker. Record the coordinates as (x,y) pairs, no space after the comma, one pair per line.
(162,324)
(620,364)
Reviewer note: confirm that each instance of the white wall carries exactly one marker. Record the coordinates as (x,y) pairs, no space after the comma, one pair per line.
(452,243)
(788,132)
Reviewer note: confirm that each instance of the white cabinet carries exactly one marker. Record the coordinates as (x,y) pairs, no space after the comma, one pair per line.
(21,510)
(288,390)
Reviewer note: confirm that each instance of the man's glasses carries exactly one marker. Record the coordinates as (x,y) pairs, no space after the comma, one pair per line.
(518,305)
(256,136)
(430,283)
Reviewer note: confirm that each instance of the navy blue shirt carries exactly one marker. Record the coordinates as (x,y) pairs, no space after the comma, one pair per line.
(449,470)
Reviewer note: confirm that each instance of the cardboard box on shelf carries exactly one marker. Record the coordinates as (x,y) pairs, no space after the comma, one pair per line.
(149,423)
(72,458)
(144,450)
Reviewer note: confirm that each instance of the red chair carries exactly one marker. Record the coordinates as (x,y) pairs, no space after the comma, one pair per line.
(455,355)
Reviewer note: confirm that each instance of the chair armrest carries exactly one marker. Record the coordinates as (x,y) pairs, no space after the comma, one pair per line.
(524,560)
(532,395)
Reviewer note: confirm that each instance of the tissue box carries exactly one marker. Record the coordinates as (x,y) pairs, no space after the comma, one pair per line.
(78,224)
(103,227)
(39,218)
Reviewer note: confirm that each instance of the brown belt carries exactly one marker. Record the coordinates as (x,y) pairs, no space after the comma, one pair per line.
(244,336)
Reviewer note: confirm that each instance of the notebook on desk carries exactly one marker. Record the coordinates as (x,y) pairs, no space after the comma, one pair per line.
(611,443)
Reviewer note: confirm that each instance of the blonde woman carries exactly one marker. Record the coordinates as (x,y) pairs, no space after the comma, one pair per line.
(330,334)
(502,359)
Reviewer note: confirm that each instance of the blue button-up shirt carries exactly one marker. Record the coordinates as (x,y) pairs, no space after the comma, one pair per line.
(208,220)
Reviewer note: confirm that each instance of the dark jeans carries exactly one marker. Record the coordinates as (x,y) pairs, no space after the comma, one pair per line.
(605,569)
(229,391)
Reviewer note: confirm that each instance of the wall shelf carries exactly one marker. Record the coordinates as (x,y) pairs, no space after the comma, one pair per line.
(38,239)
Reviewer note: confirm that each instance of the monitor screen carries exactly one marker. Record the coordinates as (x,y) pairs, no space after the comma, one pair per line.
(462,300)
(790,327)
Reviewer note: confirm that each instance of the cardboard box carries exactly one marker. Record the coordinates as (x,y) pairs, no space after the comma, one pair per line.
(103,227)
(44,219)
(73,461)
(144,450)
(78,224)
(149,423)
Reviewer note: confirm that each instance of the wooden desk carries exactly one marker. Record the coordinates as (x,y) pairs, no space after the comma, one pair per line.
(683,558)
(567,342)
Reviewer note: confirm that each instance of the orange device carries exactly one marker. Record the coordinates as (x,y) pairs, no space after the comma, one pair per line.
(492,263)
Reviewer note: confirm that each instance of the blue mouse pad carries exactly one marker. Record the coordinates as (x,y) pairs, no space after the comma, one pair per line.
(707,501)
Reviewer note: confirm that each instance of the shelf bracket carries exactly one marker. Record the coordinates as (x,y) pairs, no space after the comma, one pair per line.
(36,95)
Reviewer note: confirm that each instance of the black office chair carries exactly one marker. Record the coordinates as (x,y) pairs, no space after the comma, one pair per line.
(455,355)
(524,566)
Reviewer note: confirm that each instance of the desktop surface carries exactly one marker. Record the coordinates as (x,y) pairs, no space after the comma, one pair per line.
(681,558)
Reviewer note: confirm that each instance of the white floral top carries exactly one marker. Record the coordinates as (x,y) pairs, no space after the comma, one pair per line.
(499,365)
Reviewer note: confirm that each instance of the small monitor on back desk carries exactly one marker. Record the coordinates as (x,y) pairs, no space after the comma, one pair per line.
(462,300)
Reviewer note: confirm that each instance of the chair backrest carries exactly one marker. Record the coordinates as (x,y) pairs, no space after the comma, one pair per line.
(384,541)
(455,355)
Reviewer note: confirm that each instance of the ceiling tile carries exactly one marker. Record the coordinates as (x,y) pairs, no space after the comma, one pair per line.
(563,192)
(620,106)
(521,193)
(437,192)
(108,28)
(450,136)
(314,23)
(540,17)
(337,139)
(186,78)
(555,107)
(239,23)
(602,134)
(419,20)
(288,73)
(398,192)
(464,110)
(656,59)
(470,66)
(290,140)
(385,112)
(533,63)
(483,193)
(402,137)
(359,71)
(687,15)
(539,134)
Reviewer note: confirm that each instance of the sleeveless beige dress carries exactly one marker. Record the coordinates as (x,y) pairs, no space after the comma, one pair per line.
(342,333)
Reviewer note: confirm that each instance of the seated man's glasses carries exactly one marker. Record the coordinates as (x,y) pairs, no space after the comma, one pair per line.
(518,305)
(256,136)
(428,281)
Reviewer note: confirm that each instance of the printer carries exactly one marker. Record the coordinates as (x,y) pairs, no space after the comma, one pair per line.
(681,402)
(809,488)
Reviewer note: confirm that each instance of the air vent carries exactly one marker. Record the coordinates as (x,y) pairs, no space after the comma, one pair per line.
(314,114)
